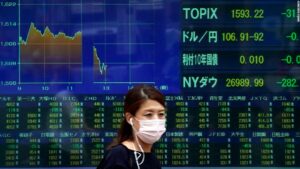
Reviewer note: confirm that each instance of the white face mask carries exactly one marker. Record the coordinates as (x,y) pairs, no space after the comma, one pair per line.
(151,130)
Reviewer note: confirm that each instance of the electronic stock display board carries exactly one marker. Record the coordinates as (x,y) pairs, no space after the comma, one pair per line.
(230,72)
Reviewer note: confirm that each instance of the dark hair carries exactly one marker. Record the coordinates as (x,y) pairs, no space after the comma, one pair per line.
(133,101)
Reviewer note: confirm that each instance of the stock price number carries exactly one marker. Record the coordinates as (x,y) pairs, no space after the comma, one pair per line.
(288,83)
(8,43)
(247,14)
(8,24)
(244,82)
(290,13)
(8,4)
(252,60)
(8,83)
(290,60)
(242,37)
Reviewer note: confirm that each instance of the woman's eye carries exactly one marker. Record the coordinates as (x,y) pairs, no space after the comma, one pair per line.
(147,115)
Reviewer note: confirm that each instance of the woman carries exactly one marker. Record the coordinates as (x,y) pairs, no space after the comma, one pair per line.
(143,125)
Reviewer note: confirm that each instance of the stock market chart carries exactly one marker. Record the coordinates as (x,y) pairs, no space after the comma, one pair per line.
(86,46)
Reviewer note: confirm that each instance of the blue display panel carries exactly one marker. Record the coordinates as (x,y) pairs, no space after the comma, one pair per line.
(88,46)
(229,71)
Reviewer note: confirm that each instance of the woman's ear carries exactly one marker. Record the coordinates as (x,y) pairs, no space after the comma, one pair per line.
(128,117)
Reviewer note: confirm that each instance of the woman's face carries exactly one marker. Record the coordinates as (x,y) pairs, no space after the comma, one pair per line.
(150,110)
(151,115)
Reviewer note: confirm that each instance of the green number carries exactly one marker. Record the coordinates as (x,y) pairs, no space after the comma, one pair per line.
(289,59)
(294,36)
(236,82)
(258,82)
(290,13)
(259,13)
(259,36)
(240,13)
(229,36)
(254,59)
(288,83)
(242,59)
(244,36)
(298,59)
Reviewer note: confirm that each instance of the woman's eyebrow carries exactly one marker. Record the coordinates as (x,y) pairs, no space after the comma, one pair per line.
(154,110)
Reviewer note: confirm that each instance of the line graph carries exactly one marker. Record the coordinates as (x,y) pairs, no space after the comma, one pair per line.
(99,67)
(128,44)
(86,46)
(51,55)
(47,56)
